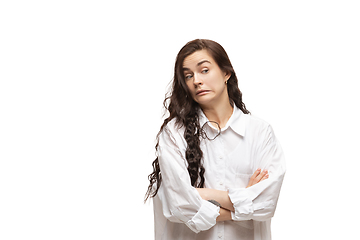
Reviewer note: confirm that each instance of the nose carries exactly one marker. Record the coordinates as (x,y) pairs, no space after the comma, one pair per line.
(197,79)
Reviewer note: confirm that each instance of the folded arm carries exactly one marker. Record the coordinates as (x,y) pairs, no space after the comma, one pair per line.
(223,198)
(259,201)
(180,201)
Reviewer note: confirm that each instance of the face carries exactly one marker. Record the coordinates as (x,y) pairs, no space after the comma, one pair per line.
(205,79)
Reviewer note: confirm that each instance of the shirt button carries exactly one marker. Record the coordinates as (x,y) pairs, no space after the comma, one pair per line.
(221,183)
(221,157)
(220,235)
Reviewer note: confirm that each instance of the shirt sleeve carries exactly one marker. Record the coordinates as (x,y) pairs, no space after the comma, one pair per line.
(258,202)
(181,202)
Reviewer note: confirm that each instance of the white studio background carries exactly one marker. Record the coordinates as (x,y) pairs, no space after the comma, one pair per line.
(82,85)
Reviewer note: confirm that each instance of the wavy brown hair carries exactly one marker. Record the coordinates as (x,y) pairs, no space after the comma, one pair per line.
(184,110)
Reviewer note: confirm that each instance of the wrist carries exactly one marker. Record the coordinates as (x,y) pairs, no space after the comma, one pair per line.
(216,203)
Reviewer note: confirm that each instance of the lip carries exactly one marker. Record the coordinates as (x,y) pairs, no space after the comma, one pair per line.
(202,92)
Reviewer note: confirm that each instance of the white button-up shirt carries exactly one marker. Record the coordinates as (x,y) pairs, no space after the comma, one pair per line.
(245,144)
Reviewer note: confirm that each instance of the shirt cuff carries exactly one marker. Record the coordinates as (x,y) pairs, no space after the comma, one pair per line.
(205,218)
(243,205)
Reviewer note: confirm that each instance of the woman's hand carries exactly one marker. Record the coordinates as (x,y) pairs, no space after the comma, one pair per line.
(257,177)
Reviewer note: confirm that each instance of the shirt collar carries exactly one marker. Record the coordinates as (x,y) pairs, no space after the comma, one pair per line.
(236,121)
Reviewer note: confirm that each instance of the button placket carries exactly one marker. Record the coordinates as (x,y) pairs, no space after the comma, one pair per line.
(221,163)
(220,230)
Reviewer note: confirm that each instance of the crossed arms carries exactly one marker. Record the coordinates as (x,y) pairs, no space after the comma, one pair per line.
(222,197)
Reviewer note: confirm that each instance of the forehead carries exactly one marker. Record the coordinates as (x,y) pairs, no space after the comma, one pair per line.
(192,60)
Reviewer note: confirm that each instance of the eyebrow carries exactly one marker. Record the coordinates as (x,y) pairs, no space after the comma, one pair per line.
(198,64)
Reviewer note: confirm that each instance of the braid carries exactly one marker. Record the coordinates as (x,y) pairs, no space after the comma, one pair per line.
(193,151)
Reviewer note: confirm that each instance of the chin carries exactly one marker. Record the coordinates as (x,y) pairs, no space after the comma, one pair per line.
(204,102)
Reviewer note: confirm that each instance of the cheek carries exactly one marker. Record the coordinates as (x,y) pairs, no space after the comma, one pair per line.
(191,90)
(190,87)
(216,81)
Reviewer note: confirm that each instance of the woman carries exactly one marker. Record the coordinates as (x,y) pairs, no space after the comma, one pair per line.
(219,170)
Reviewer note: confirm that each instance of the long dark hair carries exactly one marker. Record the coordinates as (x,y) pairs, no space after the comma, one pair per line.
(184,109)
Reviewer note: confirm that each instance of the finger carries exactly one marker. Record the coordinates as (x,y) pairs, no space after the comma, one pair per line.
(265,177)
(260,176)
(253,177)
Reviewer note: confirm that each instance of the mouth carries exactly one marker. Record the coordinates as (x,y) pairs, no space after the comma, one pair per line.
(202,92)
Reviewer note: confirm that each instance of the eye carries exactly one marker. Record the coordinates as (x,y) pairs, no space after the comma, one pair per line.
(205,71)
(188,76)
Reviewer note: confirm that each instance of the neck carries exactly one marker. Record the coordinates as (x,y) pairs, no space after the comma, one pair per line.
(220,114)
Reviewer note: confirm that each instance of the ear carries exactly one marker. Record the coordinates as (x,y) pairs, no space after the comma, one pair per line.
(227,76)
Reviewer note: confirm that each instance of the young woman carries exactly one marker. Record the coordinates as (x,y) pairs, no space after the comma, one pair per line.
(218,170)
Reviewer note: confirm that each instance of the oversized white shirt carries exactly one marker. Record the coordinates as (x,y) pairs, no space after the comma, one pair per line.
(245,144)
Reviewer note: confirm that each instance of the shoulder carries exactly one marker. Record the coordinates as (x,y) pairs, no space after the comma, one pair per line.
(254,121)
(174,128)
(172,134)
(257,126)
